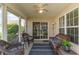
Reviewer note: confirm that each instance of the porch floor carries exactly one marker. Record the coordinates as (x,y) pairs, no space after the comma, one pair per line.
(41,49)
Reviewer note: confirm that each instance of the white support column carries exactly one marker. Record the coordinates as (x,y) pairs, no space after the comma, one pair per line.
(26,22)
(65,22)
(19,29)
(4,22)
(53,29)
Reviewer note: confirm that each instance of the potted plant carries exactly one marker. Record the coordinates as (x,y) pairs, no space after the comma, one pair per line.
(66,45)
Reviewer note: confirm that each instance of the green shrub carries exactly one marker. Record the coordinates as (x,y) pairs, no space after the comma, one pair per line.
(12,30)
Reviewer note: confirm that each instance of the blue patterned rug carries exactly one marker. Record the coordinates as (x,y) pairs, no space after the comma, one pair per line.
(42,49)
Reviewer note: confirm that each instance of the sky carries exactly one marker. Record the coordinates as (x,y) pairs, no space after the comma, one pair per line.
(12,18)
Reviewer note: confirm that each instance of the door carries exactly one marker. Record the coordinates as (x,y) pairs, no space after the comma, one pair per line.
(40,30)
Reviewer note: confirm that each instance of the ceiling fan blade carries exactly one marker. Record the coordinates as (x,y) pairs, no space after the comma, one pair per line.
(41,7)
(45,5)
(45,10)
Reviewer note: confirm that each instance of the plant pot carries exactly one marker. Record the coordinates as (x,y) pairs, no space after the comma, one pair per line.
(66,48)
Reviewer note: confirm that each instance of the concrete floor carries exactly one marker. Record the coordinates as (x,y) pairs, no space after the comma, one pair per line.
(28,48)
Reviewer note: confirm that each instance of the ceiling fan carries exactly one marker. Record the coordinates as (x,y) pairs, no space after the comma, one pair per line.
(41,8)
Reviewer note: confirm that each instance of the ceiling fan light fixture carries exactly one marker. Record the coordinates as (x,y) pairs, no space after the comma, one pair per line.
(41,8)
(40,11)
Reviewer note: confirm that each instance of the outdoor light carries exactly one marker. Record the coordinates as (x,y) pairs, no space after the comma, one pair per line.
(40,11)
(40,8)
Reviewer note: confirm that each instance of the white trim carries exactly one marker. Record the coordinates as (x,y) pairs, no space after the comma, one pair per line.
(65,25)
(72,10)
(48,29)
(78,25)
(1,8)
(19,29)
(61,27)
(72,26)
(26,22)
(4,18)
(53,29)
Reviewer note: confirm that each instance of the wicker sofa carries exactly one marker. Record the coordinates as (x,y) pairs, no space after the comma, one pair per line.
(56,42)
(11,48)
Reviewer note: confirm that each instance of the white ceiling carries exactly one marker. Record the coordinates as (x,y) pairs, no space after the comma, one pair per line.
(54,9)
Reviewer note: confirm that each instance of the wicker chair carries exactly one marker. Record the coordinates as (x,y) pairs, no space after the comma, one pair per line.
(27,38)
(11,49)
